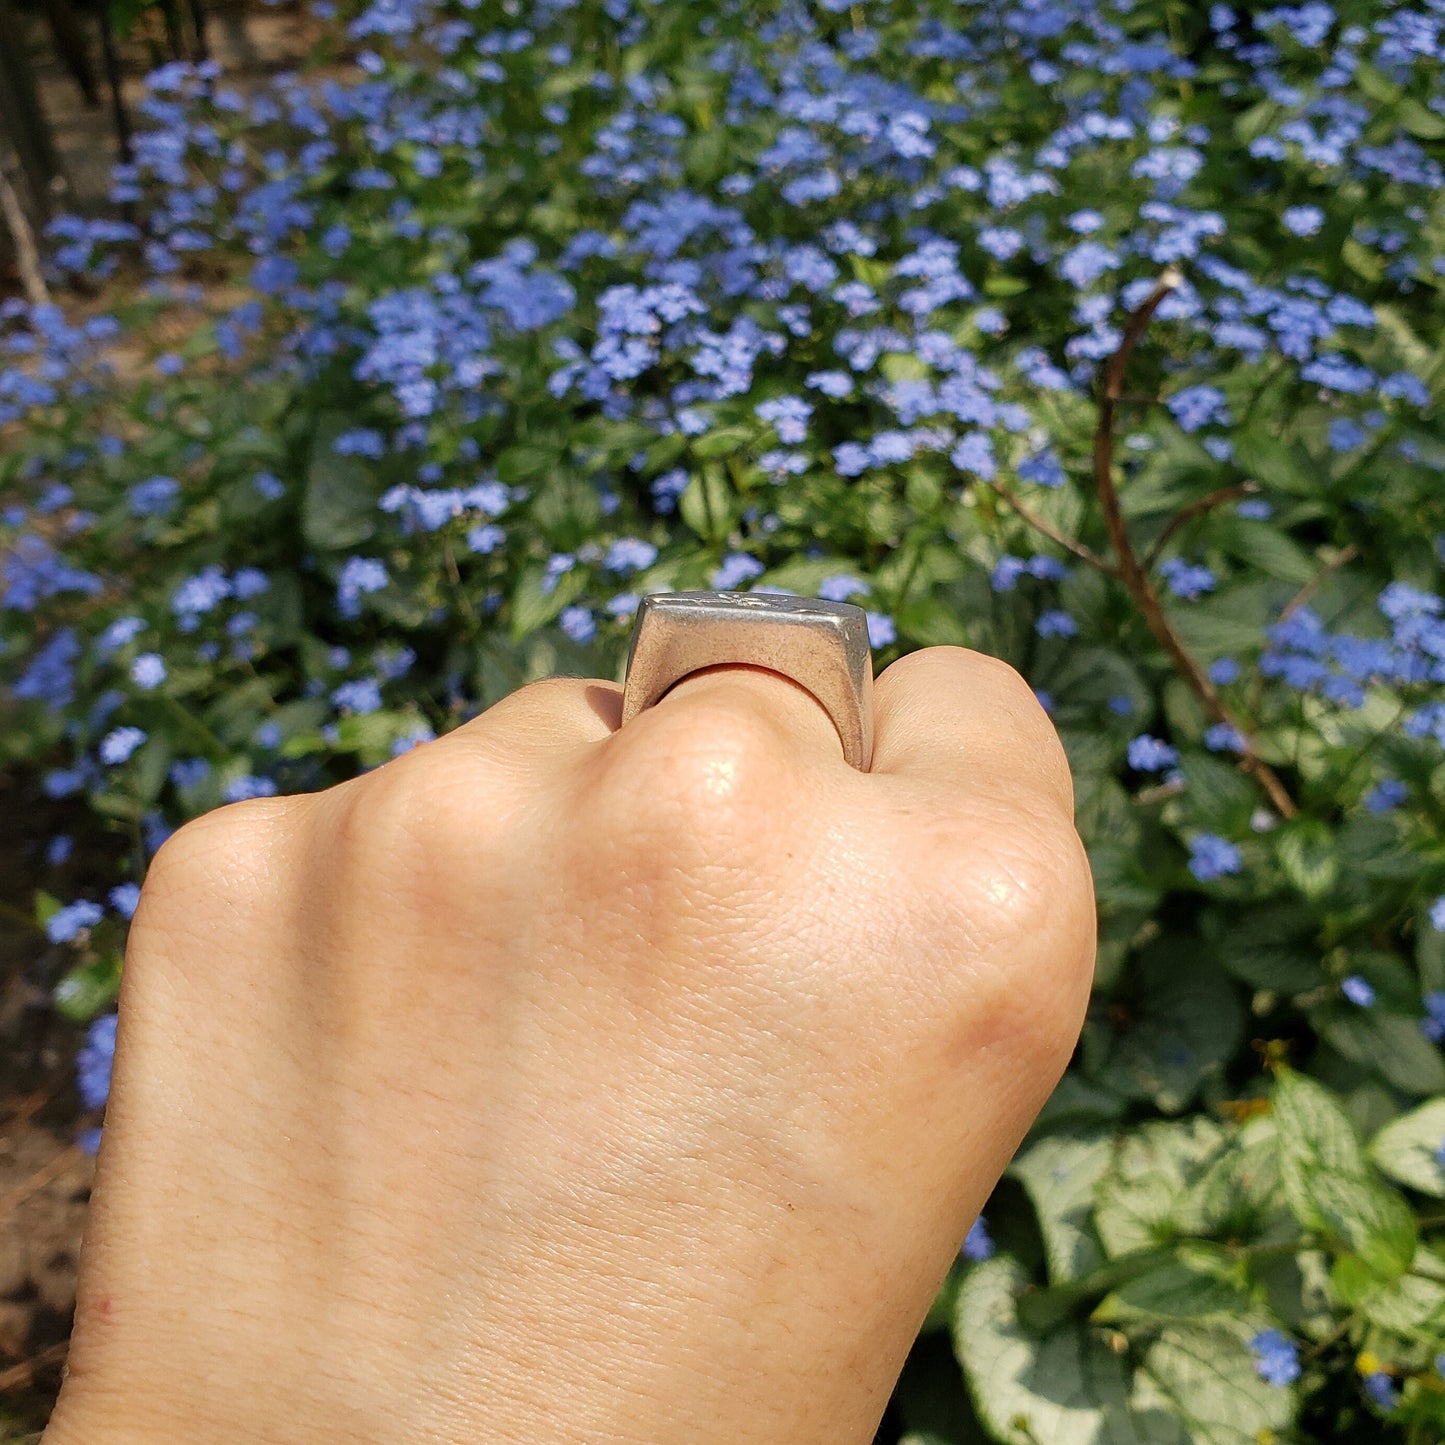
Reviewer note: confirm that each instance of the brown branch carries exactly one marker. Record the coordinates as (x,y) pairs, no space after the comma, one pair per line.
(18,1376)
(1342,558)
(1052,533)
(1194,509)
(1131,570)
(27,254)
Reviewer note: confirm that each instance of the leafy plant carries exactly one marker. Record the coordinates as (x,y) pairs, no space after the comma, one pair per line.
(1103,337)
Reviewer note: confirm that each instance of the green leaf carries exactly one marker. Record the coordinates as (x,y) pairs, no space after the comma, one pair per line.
(1140,1197)
(1186,1024)
(1059,1175)
(1389,1044)
(1306,851)
(1420,120)
(1190,1286)
(1268,948)
(1205,1377)
(88,988)
(1408,1149)
(532,608)
(1413,1305)
(526,463)
(1328,1182)
(1066,1387)
(338,506)
(1262,457)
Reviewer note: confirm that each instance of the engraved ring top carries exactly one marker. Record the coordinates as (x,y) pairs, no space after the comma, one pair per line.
(822,646)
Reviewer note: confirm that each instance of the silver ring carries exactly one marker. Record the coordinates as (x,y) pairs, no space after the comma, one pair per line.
(822,646)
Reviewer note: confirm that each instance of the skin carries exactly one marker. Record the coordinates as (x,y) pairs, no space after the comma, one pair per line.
(621,1085)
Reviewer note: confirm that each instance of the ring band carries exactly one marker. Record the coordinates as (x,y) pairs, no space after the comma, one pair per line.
(822,646)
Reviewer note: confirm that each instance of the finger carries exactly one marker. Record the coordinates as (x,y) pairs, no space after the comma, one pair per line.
(799,721)
(962,719)
(543,720)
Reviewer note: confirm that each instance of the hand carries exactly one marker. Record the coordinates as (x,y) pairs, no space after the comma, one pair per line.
(563,1082)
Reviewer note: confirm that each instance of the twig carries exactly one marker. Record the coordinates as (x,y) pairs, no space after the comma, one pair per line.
(1194,509)
(1131,570)
(18,1376)
(1052,532)
(27,253)
(1342,558)
(37,1181)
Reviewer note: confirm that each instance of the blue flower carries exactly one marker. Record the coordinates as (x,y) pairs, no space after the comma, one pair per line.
(1433,1024)
(117,745)
(1148,754)
(1224,738)
(1223,671)
(1437,914)
(1211,857)
(1199,406)
(579,624)
(361,695)
(189,772)
(358,575)
(736,567)
(360,442)
(242,789)
(1187,580)
(978,1244)
(124,898)
(148,670)
(1358,991)
(835,384)
(94,1061)
(1302,220)
(789,416)
(667,488)
(66,925)
(881,630)
(154,496)
(629,554)
(840,587)
(1056,623)
(1276,1357)
(59,849)
(485,539)
(1381,1389)
(1386,796)
(1042,468)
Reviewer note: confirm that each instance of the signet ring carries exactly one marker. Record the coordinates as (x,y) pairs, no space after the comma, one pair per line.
(822,646)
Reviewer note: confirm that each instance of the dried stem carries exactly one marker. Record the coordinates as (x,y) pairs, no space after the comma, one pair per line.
(27,253)
(1131,570)
(1052,532)
(17,1377)
(1193,510)
(1342,558)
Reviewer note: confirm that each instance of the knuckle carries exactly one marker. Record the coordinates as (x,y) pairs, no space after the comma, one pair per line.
(214,862)
(1021,907)
(696,779)
(387,814)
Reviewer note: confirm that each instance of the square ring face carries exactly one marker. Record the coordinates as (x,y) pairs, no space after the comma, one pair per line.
(820,645)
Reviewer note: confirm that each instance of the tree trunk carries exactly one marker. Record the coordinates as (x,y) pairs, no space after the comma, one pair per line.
(71,47)
(22,118)
(113,78)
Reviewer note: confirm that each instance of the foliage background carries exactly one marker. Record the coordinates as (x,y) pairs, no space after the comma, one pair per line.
(1101,336)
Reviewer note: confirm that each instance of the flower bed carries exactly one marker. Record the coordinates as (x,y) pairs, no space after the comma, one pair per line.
(1104,337)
